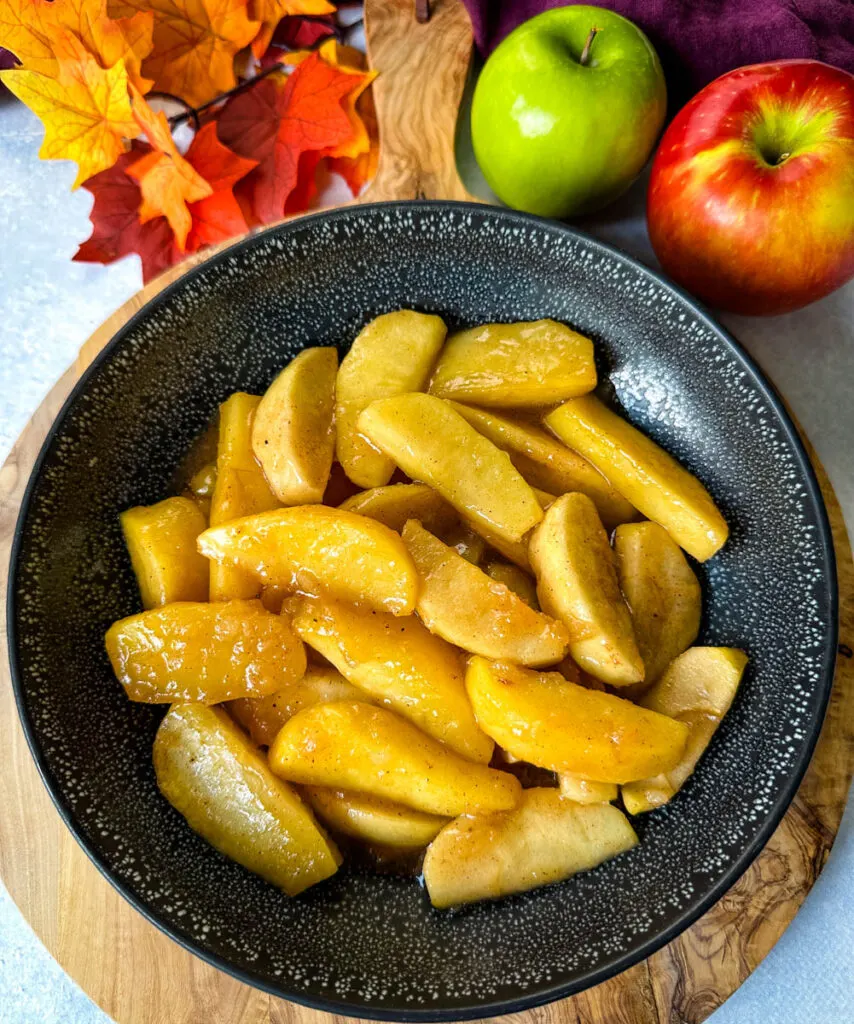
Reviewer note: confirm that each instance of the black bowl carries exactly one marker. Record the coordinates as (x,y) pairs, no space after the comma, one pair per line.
(362,944)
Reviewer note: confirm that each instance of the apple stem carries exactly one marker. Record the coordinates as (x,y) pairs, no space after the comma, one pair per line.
(585,53)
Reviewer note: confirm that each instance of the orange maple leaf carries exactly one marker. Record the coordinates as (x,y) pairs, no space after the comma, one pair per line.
(166,180)
(276,122)
(85,110)
(33,31)
(195,42)
(270,12)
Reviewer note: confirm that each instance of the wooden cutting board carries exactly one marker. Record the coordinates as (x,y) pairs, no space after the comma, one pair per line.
(137,974)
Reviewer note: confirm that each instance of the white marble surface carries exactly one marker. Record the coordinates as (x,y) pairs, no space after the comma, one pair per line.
(49,305)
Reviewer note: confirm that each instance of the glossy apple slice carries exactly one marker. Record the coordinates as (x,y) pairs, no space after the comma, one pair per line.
(583,791)
(545,839)
(460,603)
(204,652)
(314,549)
(292,433)
(643,473)
(513,365)
(515,579)
(213,775)
(400,664)
(374,821)
(432,443)
(542,718)
(577,584)
(394,504)
(392,355)
(354,746)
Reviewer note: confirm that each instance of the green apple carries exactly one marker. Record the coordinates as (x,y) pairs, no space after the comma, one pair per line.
(567,110)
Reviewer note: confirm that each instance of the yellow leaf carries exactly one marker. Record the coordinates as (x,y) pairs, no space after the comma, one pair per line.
(166,180)
(85,110)
(195,42)
(270,12)
(34,29)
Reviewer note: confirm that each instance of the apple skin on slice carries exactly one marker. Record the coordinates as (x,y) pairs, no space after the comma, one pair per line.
(354,746)
(546,839)
(392,355)
(372,820)
(515,365)
(542,718)
(220,782)
(432,443)
(646,475)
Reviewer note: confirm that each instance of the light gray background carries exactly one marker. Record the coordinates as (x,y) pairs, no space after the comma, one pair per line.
(48,307)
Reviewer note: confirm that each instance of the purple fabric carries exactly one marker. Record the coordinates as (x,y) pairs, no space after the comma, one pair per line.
(697,40)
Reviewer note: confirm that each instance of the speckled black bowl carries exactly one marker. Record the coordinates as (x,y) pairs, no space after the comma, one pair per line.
(363,944)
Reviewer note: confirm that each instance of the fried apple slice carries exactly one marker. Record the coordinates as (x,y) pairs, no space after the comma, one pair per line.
(204,652)
(577,584)
(464,606)
(698,689)
(431,442)
(543,840)
(513,365)
(354,746)
(392,355)
(514,579)
(315,549)
(662,591)
(372,820)
(394,504)
(240,489)
(546,463)
(161,542)
(262,717)
(467,543)
(583,791)
(213,776)
(542,718)
(203,481)
(292,434)
(643,473)
(400,665)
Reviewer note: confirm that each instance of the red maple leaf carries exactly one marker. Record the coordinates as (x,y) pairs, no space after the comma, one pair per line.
(276,122)
(298,32)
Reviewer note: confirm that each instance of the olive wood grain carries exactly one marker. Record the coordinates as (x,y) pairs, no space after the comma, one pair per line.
(137,974)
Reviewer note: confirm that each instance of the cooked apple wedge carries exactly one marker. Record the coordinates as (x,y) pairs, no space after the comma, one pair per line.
(514,579)
(542,718)
(221,784)
(662,591)
(394,504)
(698,689)
(399,664)
(543,840)
(262,717)
(240,489)
(292,433)
(161,542)
(643,473)
(467,543)
(583,791)
(464,606)
(372,820)
(392,355)
(354,746)
(319,550)
(204,652)
(547,463)
(513,365)
(431,442)
(203,481)
(577,584)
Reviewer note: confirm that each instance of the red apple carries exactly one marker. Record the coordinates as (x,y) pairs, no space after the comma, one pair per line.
(751,200)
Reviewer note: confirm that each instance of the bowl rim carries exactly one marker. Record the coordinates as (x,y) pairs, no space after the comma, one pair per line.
(658,939)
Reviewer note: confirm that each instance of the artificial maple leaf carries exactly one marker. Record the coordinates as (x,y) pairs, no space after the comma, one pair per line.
(86,109)
(270,12)
(301,33)
(167,181)
(195,42)
(116,228)
(33,30)
(217,217)
(276,122)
